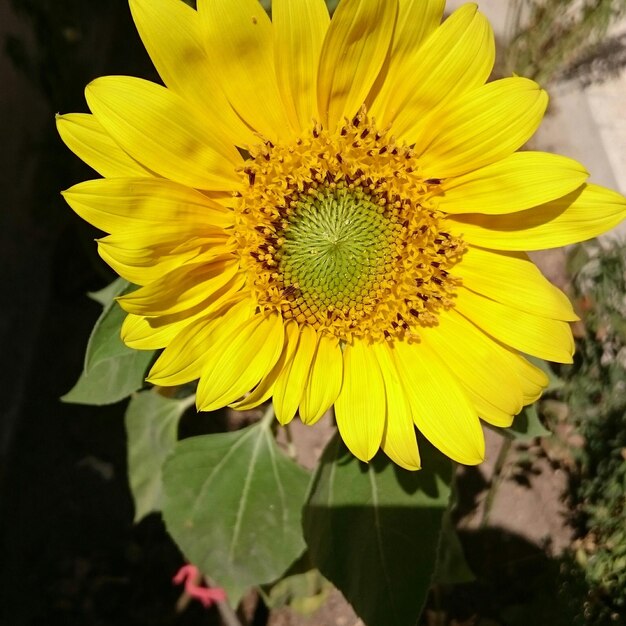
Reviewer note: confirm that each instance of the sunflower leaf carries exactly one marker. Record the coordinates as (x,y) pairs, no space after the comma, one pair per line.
(111,371)
(151,431)
(233,503)
(106,295)
(373,530)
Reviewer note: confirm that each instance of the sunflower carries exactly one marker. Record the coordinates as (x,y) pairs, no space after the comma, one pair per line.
(335,212)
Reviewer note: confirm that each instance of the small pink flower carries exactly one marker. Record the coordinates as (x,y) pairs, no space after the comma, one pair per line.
(190,575)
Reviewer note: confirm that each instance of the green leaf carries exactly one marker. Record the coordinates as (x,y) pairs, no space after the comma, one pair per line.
(527,425)
(107,294)
(111,370)
(373,530)
(233,504)
(151,431)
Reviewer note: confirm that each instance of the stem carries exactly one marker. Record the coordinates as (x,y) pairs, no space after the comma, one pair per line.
(188,401)
(268,416)
(229,617)
(291,448)
(495,480)
(184,599)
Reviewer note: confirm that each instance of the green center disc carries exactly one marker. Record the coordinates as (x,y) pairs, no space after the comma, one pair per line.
(335,246)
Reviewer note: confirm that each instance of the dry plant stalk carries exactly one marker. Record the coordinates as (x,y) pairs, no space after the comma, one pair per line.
(548,37)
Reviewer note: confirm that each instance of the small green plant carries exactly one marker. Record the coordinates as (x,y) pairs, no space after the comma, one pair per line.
(595,391)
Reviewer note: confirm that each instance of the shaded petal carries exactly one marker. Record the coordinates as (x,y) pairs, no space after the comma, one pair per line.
(581,215)
(138,333)
(479,363)
(478,128)
(513,279)
(172,35)
(361,405)
(181,289)
(266,387)
(399,442)
(241,356)
(456,58)
(186,356)
(324,381)
(115,204)
(152,333)
(291,381)
(520,181)
(299,27)
(240,42)
(540,336)
(143,265)
(353,54)
(417,19)
(441,409)
(88,140)
(532,379)
(160,130)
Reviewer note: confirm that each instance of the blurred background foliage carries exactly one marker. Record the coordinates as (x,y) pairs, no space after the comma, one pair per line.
(69,553)
(595,392)
(553,40)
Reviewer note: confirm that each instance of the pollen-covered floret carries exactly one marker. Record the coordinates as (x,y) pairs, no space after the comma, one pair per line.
(340,231)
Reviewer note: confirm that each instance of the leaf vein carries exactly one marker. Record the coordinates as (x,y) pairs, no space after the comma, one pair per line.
(379,544)
(244,495)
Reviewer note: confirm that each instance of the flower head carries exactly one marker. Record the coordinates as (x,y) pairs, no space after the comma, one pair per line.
(334,212)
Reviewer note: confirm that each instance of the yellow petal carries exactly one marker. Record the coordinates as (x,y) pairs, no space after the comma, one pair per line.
(324,381)
(581,215)
(353,54)
(159,237)
(520,181)
(239,359)
(152,333)
(171,33)
(488,412)
(138,333)
(478,128)
(417,19)
(539,336)
(456,58)
(399,442)
(160,130)
(114,204)
(479,363)
(144,265)
(441,409)
(514,280)
(266,387)
(88,140)
(186,356)
(181,289)
(291,381)
(240,42)
(532,379)
(360,407)
(299,27)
